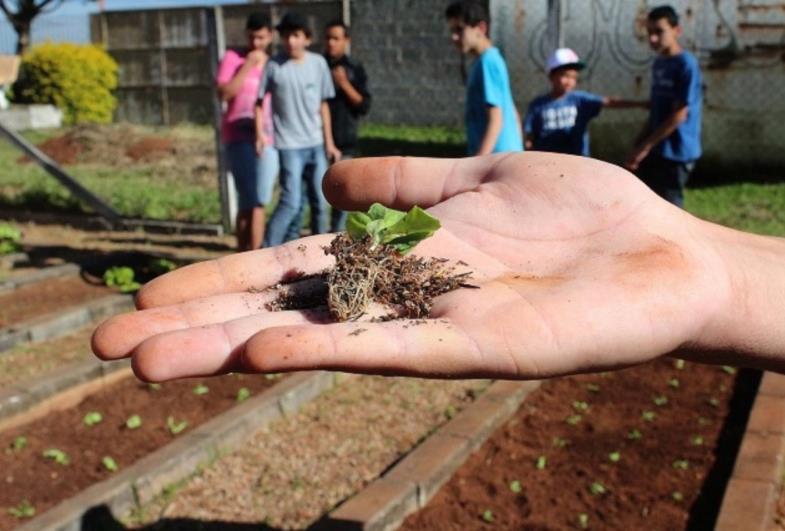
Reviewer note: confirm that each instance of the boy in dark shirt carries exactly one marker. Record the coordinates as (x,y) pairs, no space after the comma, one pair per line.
(666,151)
(559,120)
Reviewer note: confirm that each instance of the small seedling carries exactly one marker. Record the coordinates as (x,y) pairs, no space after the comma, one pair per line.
(133,422)
(648,416)
(674,383)
(243,394)
(109,464)
(386,226)
(597,488)
(677,496)
(714,402)
(175,427)
(728,369)
(201,389)
(10,239)
(18,443)
(159,266)
(634,435)
(542,462)
(583,521)
(93,418)
(660,400)
(449,411)
(579,405)
(574,420)
(681,464)
(154,386)
(697,440)
(487,516)
(58,456)
(272,376)
(593,388)
(559,442)
(679,364)
(23,510)
(121,277)
(614,457)
(515,486)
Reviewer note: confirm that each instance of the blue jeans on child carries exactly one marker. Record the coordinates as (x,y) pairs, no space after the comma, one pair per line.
(298,166)
(254,177)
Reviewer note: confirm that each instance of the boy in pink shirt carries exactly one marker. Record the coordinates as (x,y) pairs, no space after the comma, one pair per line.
(237,81)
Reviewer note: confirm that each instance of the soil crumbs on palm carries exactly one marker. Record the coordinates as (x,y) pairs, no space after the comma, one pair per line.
(365,273)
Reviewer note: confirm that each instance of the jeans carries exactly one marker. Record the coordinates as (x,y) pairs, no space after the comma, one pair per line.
(254,177)
(298,166)
(337,217)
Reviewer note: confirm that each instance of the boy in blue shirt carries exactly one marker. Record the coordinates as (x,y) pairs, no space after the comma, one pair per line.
(667,148)
(559,120)
(493,124)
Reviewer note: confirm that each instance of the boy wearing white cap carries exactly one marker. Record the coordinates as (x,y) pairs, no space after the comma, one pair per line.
(559,120)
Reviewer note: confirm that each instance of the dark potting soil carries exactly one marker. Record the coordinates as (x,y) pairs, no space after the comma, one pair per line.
(47,296)
(26,475)
(570,457)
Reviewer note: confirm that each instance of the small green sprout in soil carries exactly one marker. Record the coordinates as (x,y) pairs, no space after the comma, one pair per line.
(614,457)
(10,239)
(372,265)
(541,463)
(272,376)
(597,488)
(109,463)
(243,394)
(449,412)
(679,364)
(121,277)
(593,388)
(559,442)
(201,389)
(18,443)
(677,496)
(674,383)
(634,435)
(728,369)
(681,464)
(697,440)
(574,420)
(58,456)
(515,486)
(583,521)
(23,510)
(648,416)
(154,386)
(133,422)
(93,418)
(487,516)
(713,402)
(175,427)
(159,266)
(660,400)
(580,406)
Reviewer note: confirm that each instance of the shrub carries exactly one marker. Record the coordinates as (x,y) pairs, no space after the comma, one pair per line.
(77,79)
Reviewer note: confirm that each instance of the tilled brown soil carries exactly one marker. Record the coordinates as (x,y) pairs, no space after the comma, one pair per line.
(547,468)
(47,296)
(28,476)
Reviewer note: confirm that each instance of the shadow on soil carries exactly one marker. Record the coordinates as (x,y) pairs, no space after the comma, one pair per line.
(704,512)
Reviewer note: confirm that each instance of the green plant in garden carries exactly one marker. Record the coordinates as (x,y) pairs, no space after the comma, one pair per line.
(133,422)
(597,488)
(697,440)
(201,389)
(660,400)
(243,394)
(728,369)
(387,226)
(679,364)
(487,516)
(159,266)
(78,79)
(593,388)
(18,443)
(634,435)
(109,463)
(713,401)
(10,239)
(121,277)
(93,418)
(175,427)
(541,463)
(648,416)
(677,496)
(674,383)
(614,457)
(559,442)
(450,412)
(23,510)
(58,456)
(681,464)
(272,376)
(574,420)
(154,387)
(579,405)
(583,521)
(515,486)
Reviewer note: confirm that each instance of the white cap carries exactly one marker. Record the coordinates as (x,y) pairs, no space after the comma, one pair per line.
(564,57)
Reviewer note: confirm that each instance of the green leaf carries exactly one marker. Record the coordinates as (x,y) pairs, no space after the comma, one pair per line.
(175,427)
(356,223)
(597,488)
(93,418)
(681,464)
(58,456)
(487,516)
(648,416)
(23,510)
(574,420)
(201,389)
(660,400)
(542,462)
(388,226)
(594,388)
(133,422)
(729,369)
(19,443)
(583,520)
(109,464)
(614,457)
(580,406)
(634,435)
(515,486)
(243,394)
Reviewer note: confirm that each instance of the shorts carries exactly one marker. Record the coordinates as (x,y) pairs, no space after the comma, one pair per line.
(254,177)
(667,178)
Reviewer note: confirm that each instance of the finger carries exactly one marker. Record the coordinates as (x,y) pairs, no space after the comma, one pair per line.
(207,350)
(433,348)
(402,182)
(238,272)
(116,337)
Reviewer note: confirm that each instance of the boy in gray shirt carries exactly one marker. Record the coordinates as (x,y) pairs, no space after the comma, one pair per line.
(300,83)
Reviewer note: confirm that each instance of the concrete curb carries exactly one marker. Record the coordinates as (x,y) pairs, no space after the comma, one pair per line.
(60,323)
(407,487)
(750,500)
(58,390)
(45,273)
(142,481)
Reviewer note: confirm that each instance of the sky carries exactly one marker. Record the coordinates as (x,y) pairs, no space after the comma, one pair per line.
(70,21)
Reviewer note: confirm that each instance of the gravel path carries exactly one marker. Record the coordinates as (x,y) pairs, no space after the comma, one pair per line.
(291,473)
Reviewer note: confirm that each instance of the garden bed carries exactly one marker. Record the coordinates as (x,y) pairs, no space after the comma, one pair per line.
(164,411)
(646,448)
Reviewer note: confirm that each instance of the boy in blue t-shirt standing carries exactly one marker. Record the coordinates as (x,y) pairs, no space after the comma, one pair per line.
(493,124)
(559,120)
(666,151)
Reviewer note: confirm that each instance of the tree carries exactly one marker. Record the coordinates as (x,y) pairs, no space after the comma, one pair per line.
(21,17)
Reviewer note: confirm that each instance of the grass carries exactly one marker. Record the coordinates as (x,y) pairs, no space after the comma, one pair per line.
(141,191)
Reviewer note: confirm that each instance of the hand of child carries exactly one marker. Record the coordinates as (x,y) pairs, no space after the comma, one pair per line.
(635,158)
(580,267)
(333,154)
(256,58)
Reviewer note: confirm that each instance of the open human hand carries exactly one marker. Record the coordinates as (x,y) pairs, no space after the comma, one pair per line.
(580,267)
